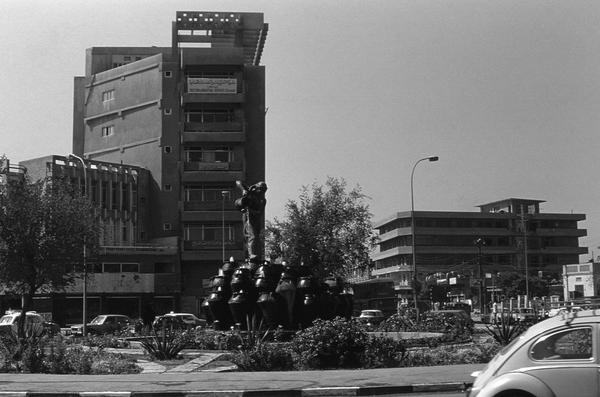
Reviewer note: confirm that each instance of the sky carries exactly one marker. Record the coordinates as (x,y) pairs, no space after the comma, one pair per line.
(506,93)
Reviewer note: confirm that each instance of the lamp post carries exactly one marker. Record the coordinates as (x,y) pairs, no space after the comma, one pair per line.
(480,243)
(412,219)
(223,194)
(84,291)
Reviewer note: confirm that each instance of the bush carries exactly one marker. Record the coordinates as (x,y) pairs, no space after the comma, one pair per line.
(383,352)
(103,341)
(114,364)
(504,331)
(166,344)
(330,344)
(450,355)
(264,357)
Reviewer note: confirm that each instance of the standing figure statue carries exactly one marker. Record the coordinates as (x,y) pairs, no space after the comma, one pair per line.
(252,205)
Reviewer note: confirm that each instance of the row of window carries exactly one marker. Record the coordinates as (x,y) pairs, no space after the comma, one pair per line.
(223,154)
(532,225)
(128,267)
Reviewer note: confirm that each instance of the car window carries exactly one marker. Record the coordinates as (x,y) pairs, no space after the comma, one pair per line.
(571,344)
(97,320)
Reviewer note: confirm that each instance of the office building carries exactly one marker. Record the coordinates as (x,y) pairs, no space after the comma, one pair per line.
(507,235)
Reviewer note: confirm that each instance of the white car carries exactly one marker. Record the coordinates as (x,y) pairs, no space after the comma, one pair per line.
(190,320)
(559,356)
(9,321)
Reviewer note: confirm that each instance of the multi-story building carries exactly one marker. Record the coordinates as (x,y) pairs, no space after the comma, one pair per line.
(190,118)
(506,235)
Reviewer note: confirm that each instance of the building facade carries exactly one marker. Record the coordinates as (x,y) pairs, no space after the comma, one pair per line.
(507,235)
(168,130)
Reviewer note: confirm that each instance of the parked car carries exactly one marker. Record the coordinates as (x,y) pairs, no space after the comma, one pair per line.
(178,321)
(33,320)
(103,324)
(559,356)
(371,317)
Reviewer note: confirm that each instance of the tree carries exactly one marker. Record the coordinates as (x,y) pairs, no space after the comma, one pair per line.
(43,227)
(513,284)
(328,229)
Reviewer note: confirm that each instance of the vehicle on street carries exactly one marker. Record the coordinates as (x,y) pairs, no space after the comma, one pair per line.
(559,356)
(371,317)
(103,324)
(178,321)
(33,320)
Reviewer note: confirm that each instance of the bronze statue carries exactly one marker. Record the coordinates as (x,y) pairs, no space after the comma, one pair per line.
(252,205)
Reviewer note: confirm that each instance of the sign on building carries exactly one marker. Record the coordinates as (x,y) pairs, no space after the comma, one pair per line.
(206,85)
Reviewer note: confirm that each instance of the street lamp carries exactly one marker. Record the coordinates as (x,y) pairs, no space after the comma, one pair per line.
(223,194)
(480,243)
(412,218)
(84,292)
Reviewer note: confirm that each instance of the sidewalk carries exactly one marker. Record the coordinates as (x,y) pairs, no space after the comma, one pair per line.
(234,384)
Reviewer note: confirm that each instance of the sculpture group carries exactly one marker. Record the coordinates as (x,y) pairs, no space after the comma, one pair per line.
(278,294)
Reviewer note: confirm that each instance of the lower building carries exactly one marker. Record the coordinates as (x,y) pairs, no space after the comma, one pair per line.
(459,248)
(581,281)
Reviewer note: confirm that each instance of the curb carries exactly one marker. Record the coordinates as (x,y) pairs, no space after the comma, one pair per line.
(308,392)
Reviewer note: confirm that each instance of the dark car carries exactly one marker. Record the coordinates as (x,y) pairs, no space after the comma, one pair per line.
(104,324)
(33,321)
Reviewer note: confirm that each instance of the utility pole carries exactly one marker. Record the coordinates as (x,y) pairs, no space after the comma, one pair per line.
(480,242)
(524,226)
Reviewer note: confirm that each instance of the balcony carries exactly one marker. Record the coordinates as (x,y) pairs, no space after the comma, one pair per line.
(213,136)
(194,245)
(218,126)
(213,166)
(208,205)
(194,97)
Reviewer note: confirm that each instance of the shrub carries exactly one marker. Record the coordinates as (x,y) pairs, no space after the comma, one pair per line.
(103,341)
(167,344)
(383,352)
(330,344)
(264,357)
(450,355)
(114,364)
(505,330)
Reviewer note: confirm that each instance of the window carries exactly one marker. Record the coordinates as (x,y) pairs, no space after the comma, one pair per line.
(111,267)
(168,111)
(210,116)
(572,344)
(108,130)
(108,95)
(130,268)
(119,268)
(166,226)
(210,193)
(168,74)
(210,155)
(164,268)
(168,187)
(167,149)
(209,233)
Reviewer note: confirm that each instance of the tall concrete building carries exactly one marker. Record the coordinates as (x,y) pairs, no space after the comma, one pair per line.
(193,115)
(507,235)
(165,133)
